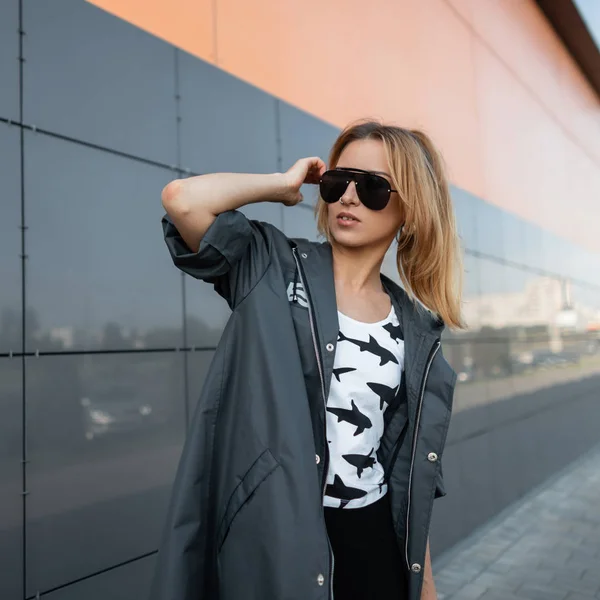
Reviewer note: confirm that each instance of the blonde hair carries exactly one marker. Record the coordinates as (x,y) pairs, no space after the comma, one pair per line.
(429,255)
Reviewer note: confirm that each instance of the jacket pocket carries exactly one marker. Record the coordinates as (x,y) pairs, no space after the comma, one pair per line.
(261,469)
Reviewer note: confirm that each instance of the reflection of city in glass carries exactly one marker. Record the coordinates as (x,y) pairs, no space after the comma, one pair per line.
(545,330)
(544,300)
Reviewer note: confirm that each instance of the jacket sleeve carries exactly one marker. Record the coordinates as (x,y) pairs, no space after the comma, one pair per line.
(233,254)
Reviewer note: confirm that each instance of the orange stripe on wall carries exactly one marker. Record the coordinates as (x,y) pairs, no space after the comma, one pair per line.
(490,81)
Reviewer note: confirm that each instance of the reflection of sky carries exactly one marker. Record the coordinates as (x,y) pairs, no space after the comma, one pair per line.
(590,12)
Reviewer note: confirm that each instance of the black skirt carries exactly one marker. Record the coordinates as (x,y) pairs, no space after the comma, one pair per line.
(368,562)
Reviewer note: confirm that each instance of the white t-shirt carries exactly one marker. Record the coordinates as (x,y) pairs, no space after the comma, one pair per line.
(367,372)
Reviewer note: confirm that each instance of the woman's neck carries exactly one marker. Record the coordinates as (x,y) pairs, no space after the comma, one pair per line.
(357,269)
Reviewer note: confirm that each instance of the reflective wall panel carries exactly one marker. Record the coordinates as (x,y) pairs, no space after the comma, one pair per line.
(105,435)
(464,210)
(303,135)
(300,222)
(122,583)
(102,80)
(11,483)
(226,124)
(488,229)
(10,240)
(9,59)
(99,275)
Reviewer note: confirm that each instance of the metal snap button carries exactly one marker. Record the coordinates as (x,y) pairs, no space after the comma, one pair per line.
(317,458)
(329,347)
(415,568)
(432,457)
(320,579)
(304,255)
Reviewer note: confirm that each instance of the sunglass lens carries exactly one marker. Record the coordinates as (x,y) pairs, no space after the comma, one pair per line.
(333,185)
(373,191)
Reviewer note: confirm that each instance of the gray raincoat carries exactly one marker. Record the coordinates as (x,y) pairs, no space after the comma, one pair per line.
(246,519)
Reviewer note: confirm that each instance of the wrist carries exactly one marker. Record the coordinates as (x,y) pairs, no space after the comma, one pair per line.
(280,187)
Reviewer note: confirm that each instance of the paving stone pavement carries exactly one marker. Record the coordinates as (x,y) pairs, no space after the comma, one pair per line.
(546,547)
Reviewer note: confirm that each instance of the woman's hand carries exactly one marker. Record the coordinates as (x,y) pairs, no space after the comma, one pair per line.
(305,170)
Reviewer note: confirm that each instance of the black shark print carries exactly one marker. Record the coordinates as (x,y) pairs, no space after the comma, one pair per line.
(342,492)
(360,461)
(386,394)
(354,417)
(342,371)
(395,331)
(372,347)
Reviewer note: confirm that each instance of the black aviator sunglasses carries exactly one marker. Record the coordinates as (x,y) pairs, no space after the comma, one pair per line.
(373,190)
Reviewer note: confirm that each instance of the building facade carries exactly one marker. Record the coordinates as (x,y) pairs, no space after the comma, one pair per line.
(104,344)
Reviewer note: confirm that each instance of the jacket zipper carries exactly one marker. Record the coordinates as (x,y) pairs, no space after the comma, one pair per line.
(414,446)
(322,378)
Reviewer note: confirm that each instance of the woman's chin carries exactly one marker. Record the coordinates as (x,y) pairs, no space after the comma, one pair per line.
(348,238)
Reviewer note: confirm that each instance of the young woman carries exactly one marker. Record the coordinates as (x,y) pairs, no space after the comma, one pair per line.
(313,460)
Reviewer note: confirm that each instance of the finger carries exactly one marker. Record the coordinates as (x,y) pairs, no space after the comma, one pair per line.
(322,167)
(318,168)
(314,175)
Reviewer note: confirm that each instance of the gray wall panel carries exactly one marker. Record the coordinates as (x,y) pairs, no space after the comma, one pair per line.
(105,435)
(464,209)
(99,274)
(10,240)
(514,241)
(489,236)
(304,135)
(123,583)
(300,222)
(226,124)
(9,59)
(11,500)
(101,79)
(206,314)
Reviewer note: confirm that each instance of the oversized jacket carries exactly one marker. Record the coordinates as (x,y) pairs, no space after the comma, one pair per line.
(246,519)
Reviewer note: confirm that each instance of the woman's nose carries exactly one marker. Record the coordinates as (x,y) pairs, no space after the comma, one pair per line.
(350,196)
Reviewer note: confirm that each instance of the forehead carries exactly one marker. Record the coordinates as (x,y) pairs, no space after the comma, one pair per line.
(368,155)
